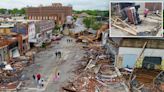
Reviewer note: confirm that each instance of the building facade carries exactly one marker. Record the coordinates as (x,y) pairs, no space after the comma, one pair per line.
(40,32)
(55,12)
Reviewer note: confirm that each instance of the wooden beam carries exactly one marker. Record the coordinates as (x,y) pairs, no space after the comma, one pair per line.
(132,31)
(129,31)
(127,25)
(143,49)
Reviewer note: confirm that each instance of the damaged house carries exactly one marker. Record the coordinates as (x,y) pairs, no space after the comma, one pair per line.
(13,45)
(144,60)
(21,29)
(152,56)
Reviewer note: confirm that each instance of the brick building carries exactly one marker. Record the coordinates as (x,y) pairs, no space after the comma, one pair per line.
(55,12)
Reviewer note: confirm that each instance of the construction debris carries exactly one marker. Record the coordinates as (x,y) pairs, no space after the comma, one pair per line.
(11,73)
(118,23)
(96,72)
(90,37)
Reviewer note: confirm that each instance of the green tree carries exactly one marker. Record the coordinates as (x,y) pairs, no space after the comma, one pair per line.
(56,29)
(12,11)
(96,26)
(3,11)
(22,11)
(15,11)
(102,13)
(90,22)
(87,22)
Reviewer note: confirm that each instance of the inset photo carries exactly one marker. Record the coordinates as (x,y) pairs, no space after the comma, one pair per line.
(136,19)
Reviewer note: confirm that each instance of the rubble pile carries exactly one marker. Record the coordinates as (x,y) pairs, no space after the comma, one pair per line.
(11,73)
(147,80)
(159,82)
(96,73)
(86,36)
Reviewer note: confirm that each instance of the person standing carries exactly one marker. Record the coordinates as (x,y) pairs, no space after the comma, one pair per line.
(56,76)
(41,83)
(38,78)
(59,54)
(146,11)
(33,76)
(56,53)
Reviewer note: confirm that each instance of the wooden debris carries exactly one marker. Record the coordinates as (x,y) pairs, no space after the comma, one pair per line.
(91,38)
(131,31)
(69,90)
(143,49)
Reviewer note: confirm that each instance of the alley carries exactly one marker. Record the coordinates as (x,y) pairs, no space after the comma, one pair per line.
(46,62)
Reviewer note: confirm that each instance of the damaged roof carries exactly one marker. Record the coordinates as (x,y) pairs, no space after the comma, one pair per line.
(155,43)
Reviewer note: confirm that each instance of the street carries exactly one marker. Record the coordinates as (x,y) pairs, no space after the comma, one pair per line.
(46,62)
(79,26)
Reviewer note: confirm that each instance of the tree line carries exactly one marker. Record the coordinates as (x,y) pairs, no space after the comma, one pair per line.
(103,13)
(12,11)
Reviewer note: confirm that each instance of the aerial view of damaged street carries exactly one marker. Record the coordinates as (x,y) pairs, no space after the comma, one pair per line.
(65,46)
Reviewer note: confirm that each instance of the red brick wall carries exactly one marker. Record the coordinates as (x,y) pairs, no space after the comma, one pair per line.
(43,13)
(152,6)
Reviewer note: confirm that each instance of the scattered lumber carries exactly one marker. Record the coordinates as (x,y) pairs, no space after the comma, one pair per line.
(143,49)
(123,23)
(91,38)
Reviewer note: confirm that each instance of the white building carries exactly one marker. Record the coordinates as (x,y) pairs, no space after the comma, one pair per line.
(40,32)
(130,49)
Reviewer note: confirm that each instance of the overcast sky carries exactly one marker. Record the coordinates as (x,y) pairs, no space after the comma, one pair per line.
(77,4)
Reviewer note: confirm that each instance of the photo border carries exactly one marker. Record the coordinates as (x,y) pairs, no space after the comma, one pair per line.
(115,1)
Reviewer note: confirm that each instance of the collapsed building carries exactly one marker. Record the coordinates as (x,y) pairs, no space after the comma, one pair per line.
(96,71)
(128,53)
(138,65)
(143,59)
(15,53)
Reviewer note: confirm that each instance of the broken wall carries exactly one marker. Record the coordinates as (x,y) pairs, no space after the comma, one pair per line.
(136,52)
